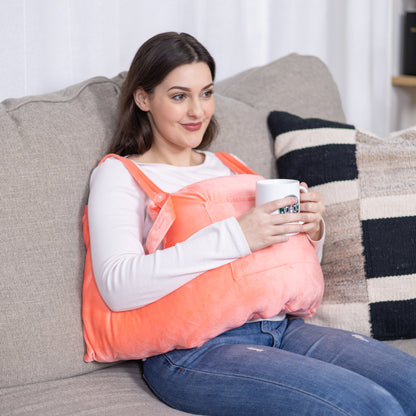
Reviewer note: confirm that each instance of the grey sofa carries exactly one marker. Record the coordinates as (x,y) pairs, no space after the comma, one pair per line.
(49,146)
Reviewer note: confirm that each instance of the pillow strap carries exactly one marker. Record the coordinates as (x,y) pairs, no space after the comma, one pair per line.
(161,207)
(234,164)
(145,183)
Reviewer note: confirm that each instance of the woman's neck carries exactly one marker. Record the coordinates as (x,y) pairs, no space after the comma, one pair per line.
(184,159)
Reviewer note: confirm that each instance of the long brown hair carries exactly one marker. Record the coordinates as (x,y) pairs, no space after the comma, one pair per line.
(154,60)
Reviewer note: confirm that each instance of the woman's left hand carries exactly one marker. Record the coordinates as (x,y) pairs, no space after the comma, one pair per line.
(312,208)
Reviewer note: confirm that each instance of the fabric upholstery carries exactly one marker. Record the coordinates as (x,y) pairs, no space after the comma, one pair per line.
(114,391)
(295,83)
(49,145)
(249,140)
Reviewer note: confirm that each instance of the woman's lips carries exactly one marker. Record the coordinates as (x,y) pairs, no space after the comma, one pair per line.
(192,126)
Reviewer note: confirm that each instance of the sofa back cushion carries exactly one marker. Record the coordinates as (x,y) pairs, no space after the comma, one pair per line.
(49,146)
(295,83)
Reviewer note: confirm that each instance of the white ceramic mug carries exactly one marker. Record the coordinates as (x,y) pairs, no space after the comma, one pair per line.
(271,189)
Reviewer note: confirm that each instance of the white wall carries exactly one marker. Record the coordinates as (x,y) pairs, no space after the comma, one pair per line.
(48,44)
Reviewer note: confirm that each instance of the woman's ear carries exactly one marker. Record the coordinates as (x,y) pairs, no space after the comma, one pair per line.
(141,99)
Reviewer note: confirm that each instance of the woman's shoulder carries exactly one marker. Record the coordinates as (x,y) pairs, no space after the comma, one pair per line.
(111,171)
(110,164)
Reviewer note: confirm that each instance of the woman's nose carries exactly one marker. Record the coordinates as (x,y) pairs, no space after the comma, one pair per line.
(195,108)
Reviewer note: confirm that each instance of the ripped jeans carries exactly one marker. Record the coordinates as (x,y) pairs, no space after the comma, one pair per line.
(286,368)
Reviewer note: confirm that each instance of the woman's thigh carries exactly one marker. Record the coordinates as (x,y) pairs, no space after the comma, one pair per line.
(389,367)
(250,379)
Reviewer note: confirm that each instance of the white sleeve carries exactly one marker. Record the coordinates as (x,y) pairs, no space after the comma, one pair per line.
(126,277)
(319,245)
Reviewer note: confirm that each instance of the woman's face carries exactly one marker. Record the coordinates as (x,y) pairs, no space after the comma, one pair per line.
(180,107)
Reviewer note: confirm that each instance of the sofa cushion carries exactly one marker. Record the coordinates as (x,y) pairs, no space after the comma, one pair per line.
(247,140)
(115,391)
(369,185)
(296,83)
(50,144)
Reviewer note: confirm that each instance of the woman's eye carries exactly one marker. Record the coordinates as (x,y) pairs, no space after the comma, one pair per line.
(178,97)
(208,93)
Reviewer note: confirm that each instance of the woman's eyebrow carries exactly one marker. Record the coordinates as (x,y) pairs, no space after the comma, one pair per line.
(177,87)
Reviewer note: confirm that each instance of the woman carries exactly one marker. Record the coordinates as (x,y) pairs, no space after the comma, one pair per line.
(266,366)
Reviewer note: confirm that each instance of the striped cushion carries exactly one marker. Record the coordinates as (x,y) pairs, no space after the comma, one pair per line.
(369,185)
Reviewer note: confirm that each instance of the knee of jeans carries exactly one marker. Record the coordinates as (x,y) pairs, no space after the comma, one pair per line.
(384,403)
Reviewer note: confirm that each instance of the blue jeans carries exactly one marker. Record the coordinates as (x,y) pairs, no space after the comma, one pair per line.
(286,368)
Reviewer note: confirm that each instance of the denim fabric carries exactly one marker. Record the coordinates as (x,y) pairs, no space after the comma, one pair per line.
(286,368)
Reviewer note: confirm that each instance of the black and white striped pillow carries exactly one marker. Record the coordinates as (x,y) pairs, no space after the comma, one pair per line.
(369,185)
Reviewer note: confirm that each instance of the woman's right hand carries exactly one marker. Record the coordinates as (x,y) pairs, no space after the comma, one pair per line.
(262,228)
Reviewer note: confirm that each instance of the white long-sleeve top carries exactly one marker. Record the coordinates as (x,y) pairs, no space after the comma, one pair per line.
(126,276)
